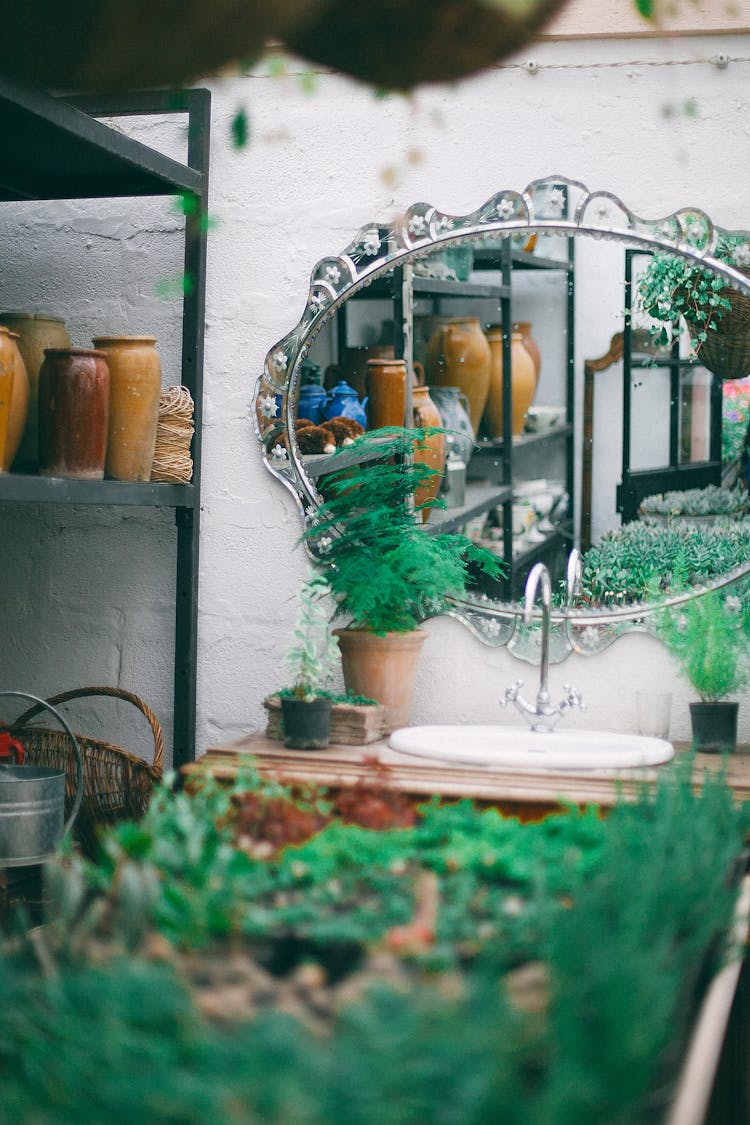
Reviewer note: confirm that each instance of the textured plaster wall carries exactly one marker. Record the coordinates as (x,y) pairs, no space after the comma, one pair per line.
(88,595)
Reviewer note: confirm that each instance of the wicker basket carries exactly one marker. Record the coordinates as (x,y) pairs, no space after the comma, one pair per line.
(117,785)
(726,350)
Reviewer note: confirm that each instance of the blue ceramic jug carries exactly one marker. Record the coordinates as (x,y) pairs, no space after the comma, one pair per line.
(311,403)
(343,401)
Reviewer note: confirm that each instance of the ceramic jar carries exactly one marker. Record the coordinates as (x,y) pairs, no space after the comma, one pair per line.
(524,327)
(353,366)
(454,411)
(73,413)
(135,388)
(431,450)
(458,355)
(386,392)
(523,382)
(36,333)
(14,411)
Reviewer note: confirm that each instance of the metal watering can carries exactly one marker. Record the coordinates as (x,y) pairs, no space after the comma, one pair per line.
(32,799)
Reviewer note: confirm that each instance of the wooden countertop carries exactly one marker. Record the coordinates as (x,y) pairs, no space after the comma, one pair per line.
(339,765)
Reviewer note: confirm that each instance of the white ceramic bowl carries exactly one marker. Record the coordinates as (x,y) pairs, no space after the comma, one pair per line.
(540,419)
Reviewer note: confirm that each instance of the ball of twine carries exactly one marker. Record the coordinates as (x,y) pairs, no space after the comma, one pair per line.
(172,461)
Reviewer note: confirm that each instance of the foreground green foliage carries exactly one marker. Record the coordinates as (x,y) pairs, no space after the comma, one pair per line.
(633,906)
(388,573)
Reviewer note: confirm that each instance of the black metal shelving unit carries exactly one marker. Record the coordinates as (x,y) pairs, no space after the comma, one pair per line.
(680,472)
(495,462)
(59,150)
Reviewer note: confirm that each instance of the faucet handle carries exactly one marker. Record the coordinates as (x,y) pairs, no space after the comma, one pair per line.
(511,693)
(572,698)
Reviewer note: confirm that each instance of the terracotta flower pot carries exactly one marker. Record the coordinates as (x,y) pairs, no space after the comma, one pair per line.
(431,451)
(382,668)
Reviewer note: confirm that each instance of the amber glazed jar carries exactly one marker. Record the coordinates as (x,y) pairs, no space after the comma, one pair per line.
(36,333)
(14,411)
(73,413)
(135,388)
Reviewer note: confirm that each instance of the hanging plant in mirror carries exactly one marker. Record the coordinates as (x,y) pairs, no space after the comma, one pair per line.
(523,507)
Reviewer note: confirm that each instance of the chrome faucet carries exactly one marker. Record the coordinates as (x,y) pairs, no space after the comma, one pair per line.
(543,714)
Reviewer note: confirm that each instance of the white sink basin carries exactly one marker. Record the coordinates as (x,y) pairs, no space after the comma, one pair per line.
(519,747)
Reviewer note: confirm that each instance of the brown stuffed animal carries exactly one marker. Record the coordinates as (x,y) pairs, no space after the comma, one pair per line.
(352,428)
(315,439)
(339,431)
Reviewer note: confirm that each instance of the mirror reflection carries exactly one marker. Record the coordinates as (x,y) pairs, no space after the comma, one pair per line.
(620,428)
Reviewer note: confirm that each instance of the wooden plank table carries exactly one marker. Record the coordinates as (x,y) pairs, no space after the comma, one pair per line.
(516,792)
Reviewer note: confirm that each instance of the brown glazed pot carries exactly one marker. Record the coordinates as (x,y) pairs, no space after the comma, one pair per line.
(36,333)
(7,375)
(353,367)
(523,382)
(431,451)
(18,404)
(135,388)
(458,355)
(385,384)
(382,668)
(73,413)
(524,327)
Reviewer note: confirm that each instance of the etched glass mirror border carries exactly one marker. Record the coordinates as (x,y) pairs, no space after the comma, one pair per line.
(422,230)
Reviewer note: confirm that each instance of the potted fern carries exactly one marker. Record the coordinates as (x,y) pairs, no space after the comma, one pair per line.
(306,705)
(709,636)
(717,316)
(386,571)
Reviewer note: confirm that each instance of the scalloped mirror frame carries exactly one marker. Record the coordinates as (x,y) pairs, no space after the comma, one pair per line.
(380,247)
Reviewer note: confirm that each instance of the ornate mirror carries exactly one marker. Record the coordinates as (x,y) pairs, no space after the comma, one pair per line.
(566,265)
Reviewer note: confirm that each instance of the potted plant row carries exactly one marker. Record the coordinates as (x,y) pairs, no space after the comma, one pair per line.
(702,504)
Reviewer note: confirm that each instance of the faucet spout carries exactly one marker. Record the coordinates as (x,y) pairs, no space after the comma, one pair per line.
(542,714)
(539,576)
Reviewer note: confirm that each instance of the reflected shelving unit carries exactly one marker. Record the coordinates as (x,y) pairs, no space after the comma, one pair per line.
(498,467)
(57,149)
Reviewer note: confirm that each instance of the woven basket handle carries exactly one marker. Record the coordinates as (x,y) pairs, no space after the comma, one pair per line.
(116,693)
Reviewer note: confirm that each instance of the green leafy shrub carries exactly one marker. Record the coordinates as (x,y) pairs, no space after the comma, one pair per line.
(710,638)
(386,570)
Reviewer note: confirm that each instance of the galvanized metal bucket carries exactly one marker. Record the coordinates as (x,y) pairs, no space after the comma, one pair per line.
(32,803)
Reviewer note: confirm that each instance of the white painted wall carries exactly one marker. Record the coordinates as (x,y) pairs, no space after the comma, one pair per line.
(87,596)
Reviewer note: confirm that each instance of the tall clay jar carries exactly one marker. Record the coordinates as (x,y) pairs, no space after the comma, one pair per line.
(36,333)
(458,355)
(523,382)
(73,413)
(524,327)
(135,388)
(16,389)
(385,383)
(7,376)
(431,450)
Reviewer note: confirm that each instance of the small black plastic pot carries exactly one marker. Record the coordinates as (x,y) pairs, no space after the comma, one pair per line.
(306,725)
(714,726)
